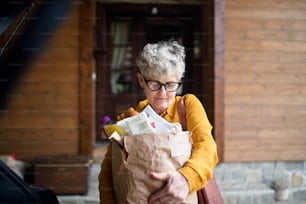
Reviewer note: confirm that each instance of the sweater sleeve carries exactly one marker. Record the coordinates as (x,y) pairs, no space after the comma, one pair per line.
(199,168)
(106,187)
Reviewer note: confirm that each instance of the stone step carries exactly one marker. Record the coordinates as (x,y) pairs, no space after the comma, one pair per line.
(260,197)
(232,192)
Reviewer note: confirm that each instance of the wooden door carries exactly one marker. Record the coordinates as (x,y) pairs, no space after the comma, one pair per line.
(123,30)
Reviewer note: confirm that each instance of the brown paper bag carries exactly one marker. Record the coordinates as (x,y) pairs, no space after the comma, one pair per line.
(144,153)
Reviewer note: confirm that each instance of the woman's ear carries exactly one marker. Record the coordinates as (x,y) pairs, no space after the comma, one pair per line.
(140,80)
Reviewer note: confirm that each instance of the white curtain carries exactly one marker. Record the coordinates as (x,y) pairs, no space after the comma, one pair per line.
(120,35)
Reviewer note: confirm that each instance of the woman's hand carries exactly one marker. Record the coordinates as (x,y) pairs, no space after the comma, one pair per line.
(175,190)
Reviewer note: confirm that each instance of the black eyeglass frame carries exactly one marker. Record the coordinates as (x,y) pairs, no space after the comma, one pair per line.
(166,85)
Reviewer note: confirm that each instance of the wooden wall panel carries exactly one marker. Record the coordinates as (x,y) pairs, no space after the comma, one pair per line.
(42,112)
(265,80)
(86,82)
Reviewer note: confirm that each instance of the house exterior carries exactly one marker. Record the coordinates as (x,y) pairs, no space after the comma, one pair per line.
(259,80)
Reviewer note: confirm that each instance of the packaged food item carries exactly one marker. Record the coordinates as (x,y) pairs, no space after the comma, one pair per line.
(147,121)
(158,123)
(137,124)
(129,113)
(109,126)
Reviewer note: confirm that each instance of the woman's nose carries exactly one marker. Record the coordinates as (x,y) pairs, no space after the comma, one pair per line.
(163,89)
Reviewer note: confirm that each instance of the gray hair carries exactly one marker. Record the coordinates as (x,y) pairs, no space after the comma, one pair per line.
(164,58)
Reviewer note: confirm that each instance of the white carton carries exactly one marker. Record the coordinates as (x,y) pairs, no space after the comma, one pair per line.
(148,121)
(158,123)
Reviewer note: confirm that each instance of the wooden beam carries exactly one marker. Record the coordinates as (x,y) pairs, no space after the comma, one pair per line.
(219,76)
(86,88)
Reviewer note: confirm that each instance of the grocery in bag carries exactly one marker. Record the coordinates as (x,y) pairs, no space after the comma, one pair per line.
(149,143)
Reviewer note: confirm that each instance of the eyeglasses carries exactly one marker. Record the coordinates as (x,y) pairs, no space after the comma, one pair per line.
(154,85)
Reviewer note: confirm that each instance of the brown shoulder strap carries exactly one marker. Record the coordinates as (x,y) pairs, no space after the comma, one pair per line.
(181,109)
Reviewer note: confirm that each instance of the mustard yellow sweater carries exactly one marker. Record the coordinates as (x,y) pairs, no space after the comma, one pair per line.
(197,170)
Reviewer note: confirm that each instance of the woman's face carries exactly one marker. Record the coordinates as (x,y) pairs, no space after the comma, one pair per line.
(159,99)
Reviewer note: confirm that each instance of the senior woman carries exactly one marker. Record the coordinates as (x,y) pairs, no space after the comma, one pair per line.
(161,68)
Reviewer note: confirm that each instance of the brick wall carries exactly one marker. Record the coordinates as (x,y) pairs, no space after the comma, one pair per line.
(41,115)
(265,80)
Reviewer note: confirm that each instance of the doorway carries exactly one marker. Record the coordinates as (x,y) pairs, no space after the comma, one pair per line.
(122,33)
